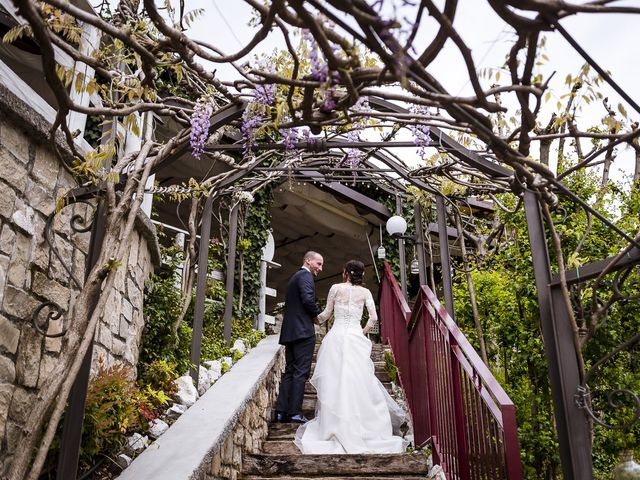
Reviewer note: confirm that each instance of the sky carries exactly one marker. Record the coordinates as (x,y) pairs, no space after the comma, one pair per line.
(613,40)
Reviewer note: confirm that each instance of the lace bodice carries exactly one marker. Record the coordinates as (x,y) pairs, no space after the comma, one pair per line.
(347,302)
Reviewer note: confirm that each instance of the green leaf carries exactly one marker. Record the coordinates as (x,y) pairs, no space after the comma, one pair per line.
(622,110)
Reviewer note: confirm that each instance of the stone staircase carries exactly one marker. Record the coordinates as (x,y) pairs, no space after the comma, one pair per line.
(281,459)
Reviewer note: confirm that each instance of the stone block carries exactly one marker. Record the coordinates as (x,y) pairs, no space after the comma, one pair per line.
(119,282)
(111,307)
(13,436)
(41,252)
(17,302)
(45,168)
(4,266)
(248,438)
(137,323)
(7,370)
(20,261)
(126,310)
(99,358)
(28,357)
(118,347)
(21,405)
(50,289)
(57,269)
(8,201)
(40,198)
(15,141)
(238,435)
(54,344)
(7,237)
(216,463)
(133,249)
(47,367)
(236,460)
(131,352)
(262,398)
(9,335)
(23,218)
(125,327)
(12,171)
(104,336)
(225,471)
(134,294)
(227,451)
(6,393)
(61,224)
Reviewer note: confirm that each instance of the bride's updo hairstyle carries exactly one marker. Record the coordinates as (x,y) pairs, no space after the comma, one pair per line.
(355,271)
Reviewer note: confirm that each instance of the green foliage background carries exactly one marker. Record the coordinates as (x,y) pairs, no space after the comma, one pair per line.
(506,294)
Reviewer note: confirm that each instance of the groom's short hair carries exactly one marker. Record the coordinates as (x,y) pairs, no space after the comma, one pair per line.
(310,255)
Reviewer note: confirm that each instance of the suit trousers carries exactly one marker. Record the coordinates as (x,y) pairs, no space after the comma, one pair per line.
(298,356)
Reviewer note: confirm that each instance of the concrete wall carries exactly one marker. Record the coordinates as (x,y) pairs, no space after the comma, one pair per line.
(32,178)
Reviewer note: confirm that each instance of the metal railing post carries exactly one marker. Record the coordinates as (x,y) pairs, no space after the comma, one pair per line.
(574,437)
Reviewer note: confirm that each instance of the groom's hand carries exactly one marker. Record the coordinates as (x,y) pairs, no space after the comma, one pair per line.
(315,320)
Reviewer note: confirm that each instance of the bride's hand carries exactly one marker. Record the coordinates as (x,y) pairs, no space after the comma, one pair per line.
(366,329)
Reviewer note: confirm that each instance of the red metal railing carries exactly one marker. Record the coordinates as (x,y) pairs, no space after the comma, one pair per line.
(454,399)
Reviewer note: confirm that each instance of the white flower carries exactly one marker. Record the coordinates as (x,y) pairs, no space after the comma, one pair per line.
(243,197)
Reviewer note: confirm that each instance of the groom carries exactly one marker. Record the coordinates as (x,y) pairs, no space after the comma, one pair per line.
(298,337)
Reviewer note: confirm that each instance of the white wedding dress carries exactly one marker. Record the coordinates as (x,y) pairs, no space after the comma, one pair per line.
(354,412)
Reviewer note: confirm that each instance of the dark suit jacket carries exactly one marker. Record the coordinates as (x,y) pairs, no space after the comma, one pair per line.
(299,308)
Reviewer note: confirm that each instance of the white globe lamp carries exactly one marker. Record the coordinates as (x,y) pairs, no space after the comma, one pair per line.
(396,225)
(269,248)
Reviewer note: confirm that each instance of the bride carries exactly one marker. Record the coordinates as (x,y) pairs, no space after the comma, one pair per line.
(354,412)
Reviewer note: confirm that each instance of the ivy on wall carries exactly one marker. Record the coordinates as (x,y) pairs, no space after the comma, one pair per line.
(257,223)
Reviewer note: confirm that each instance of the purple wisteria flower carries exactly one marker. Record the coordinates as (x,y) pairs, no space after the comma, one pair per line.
(251,121)
(355,155)
(420,132)
(290,137)
(256,113)
(320,72)
(200,123)
(264,94)
(319,69)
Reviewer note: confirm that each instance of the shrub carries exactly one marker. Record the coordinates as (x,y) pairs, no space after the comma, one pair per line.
(390,366)
(159,375)
(113,409)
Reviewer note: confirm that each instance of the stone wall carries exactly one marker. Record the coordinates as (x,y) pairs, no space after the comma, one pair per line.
(120,331)
(250,430)
(209,440)
(31,274)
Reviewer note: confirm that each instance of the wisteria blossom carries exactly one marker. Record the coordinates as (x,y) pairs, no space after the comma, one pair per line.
(420,132)
(356,155)
(200,123)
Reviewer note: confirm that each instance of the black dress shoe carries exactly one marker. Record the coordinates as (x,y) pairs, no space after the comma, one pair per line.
(281,417)
(299,419)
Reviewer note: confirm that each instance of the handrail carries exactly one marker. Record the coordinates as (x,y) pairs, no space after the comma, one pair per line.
(454,399)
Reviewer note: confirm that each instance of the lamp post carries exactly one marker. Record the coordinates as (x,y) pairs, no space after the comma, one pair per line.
(396,227)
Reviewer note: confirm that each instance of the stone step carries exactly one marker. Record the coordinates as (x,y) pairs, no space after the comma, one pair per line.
(282,431)
(280,447)
(335,466)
